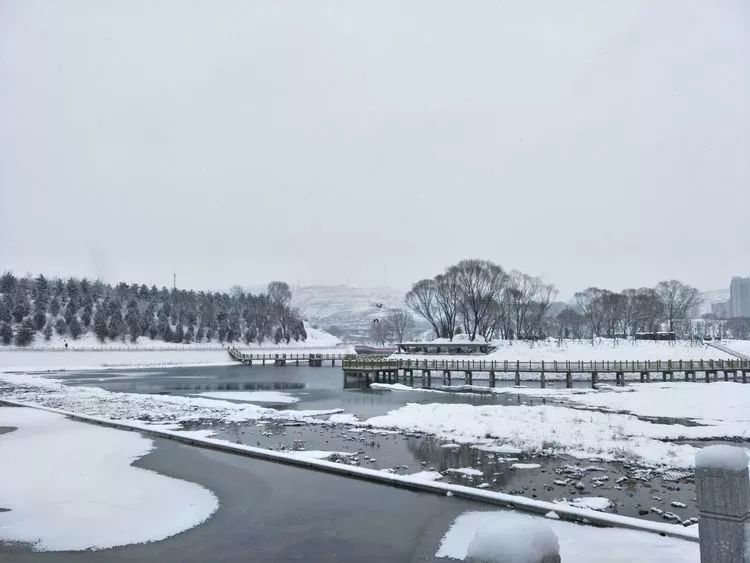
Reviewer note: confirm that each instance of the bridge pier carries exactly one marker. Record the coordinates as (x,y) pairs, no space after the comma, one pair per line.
(518,379)
(619,376)
(468,378)
(568,380)
(492,379)
(594,379)
(427,373)
(542,381)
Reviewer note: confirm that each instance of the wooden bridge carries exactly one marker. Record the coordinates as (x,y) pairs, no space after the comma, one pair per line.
(389,370)
(312,359)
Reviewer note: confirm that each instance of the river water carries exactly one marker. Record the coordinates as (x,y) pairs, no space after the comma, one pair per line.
(632,492)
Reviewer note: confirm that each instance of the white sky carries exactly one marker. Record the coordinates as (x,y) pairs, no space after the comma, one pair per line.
(593,142)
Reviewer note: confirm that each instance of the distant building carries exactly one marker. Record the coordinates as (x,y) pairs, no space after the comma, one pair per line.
(739,297)
(721,310)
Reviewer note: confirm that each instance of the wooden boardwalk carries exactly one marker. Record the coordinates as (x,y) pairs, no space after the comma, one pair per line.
(391,369)
(311,359)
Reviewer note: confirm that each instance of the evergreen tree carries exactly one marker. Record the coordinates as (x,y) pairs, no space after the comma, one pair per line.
(48,332)
(152,329)
(179,333)
(278,335)
(100,323)
(133,320)
(189,334)
(5,314)
(39,319)
(86,315)
(21,307)
(249,335)
(6,333)
(61,326)
(75,328)
(54,307)
(8,283)
(209,334)
(25,333)
(116,325)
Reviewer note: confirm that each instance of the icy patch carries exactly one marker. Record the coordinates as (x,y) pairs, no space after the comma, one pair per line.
(71,486)
(578,543)
(252,396)
(525,466)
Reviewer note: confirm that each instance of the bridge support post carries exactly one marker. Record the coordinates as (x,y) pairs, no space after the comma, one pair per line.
(618,378)
(723,491)
(468,378)
(492,379)
(568,380)
(744,376)
(707,375)
(542,382)
(664,376)
(594,379)
(428,374)
(518,379)
(643,377)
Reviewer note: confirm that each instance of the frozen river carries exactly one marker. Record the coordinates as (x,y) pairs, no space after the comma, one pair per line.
(631,492)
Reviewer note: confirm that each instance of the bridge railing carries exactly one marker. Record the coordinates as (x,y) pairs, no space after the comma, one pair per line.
(624,366)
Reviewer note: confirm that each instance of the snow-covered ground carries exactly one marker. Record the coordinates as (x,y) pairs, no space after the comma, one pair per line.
(600,349)
(71,486)
(578,543)
(54,360)
(316,338)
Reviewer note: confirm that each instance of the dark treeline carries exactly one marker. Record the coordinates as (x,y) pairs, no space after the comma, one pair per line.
(480,299)
(32,308)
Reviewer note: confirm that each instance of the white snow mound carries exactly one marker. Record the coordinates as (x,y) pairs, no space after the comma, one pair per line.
(509,540)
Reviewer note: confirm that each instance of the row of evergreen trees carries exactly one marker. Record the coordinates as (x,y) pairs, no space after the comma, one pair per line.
(37,307)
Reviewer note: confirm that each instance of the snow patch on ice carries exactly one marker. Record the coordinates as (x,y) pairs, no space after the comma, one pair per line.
(252,396)
(71,486)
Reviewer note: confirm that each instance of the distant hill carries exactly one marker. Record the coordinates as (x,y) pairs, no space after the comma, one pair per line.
(345,311)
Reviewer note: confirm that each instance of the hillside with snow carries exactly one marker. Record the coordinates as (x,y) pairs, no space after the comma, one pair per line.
(345,311)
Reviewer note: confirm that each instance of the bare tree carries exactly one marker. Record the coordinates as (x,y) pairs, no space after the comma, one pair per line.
(399,322)
(480,285)
(279,293)
(448,298)
(679,300)
(380,333)
(589,301)
(422,299)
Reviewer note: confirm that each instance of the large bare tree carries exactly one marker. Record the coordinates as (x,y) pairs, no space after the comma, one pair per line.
(480,286)
(679,300)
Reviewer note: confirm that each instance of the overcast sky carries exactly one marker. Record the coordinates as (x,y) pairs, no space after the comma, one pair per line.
(374,142)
